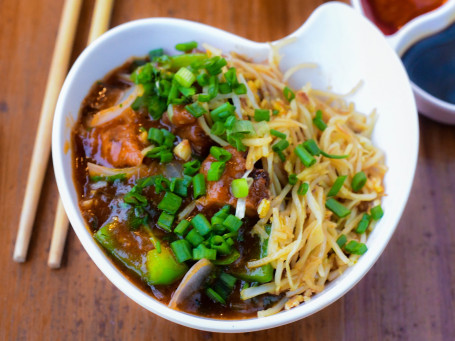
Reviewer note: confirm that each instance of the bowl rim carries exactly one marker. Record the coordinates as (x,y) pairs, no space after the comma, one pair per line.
(147,301)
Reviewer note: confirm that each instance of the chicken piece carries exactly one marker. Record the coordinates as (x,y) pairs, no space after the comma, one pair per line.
(219,192)
(116,143)
(186,126)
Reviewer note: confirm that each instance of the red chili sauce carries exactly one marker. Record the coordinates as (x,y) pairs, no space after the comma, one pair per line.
(390,15)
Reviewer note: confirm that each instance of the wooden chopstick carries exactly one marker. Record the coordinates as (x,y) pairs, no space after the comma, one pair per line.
(99,25)
(42,145)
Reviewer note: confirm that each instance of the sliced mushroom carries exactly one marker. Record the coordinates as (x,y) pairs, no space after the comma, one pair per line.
(192,281)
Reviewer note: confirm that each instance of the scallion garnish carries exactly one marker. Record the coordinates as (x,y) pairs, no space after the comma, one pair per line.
(261,115)
(220,154)
(156,135)
(203,252)
(195,109)
(219,244)
(239,188)
(182,227)
(292,179)
(331,156)
(355,248)
(363,224)
(288,94)
(203,79)
(199,187)
(318,121)
(337,186)
(194,238)
(182,250)
(185,47)
(337,208)
(201,224)
(342,240)
(165,221)
(278,134)
(170,203)
(224,88)
(155,53)
(191,167)
(185,77)
(218,128)
(216,170)
(312,147)
(240,89)
(358,181)
(303,189)
(307,159)
(376,212)
(232,223)
(280,146)
(215,296)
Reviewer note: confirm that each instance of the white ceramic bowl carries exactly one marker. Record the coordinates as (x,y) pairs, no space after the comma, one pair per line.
(417,29)
(347,48)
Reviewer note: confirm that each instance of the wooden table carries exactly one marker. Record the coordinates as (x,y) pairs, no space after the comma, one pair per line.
(408,295)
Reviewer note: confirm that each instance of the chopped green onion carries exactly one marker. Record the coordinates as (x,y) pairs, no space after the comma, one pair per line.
(355,248)
(307,159)
(280,146)
(376,212)
(185,47)
(261,115)
(281,155)
(170,203)
(219,244)
(224,88)
(165,221)
(166,156)
(182,250)
(187,92)
(244,127)
(203,79)
(215,65)
(337,208)
(213,87)
(158,246)
(194,238)
(220,154)
(195,109)
(212,294)
(337,186)
(185,77)
(232,223)
(239,188)
(292,179)
(191,167)
(358,181)
(182,227)
(312,147)
(180,186)
(222,112)
(199,187)
(303,189)
(330,156)
(218,128)
(342,240)
(288,94)
(228,280)
(230,122)
(231,77)
(278,134)
(201,252)
(201,224)
(275,112)
(215,171)
(156,135)
(318,121)
(363,224)
(229,259)
(240,89)
(155,53)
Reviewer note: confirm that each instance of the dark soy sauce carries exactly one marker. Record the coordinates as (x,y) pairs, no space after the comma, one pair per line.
(430,64)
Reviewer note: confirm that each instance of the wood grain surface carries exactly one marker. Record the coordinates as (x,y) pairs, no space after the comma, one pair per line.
(408,295)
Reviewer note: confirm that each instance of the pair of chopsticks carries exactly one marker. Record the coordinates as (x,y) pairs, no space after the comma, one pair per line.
(42,145)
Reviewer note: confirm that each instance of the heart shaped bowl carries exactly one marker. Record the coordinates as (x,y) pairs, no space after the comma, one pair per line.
(412,32)
(347,48)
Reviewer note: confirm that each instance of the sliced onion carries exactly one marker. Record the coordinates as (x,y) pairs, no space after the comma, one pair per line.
(192,282)
(94,169)
(115,111)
